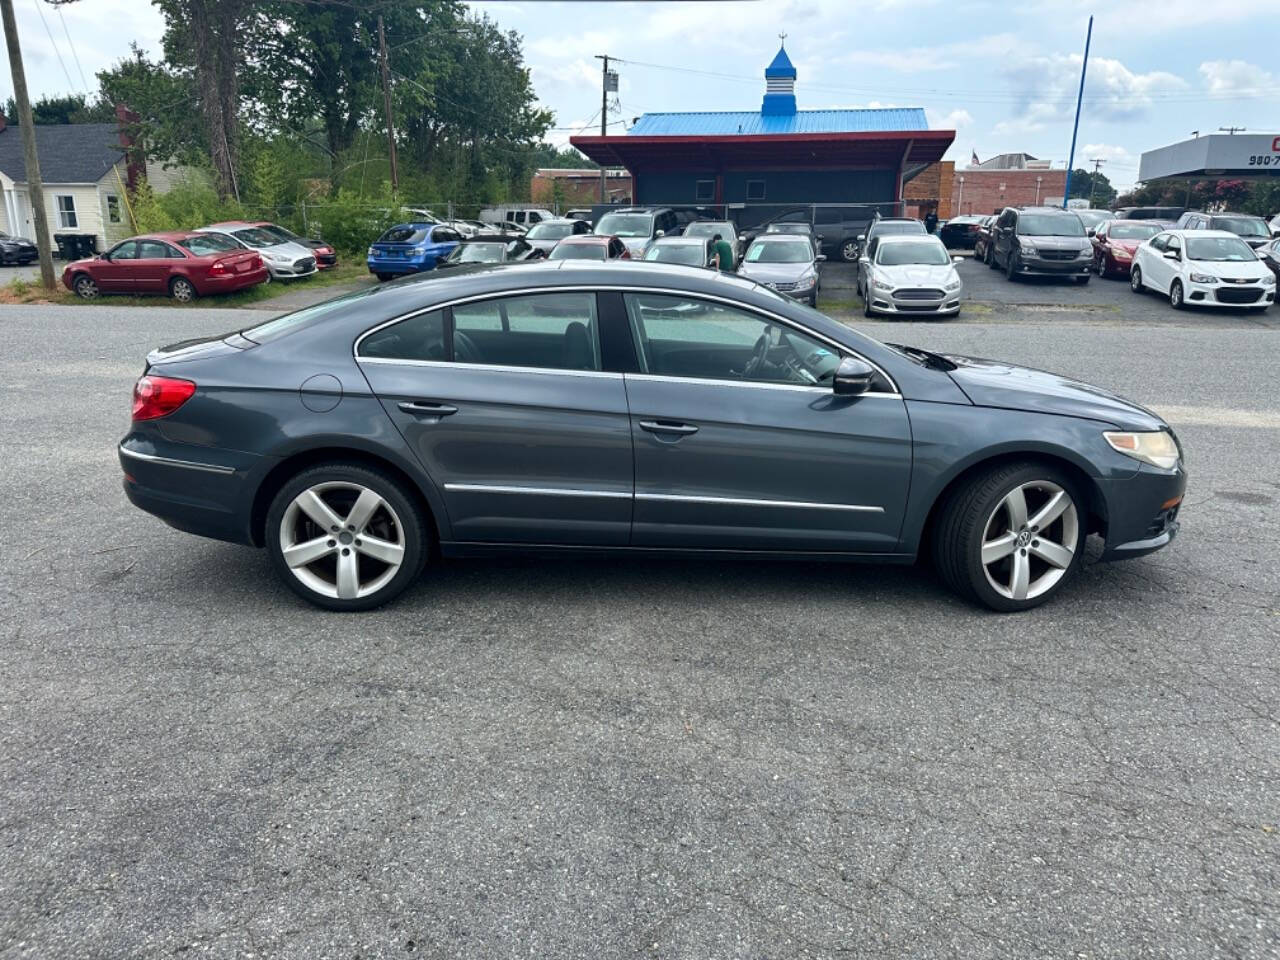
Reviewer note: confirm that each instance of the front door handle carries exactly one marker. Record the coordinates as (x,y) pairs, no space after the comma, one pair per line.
(427,408)
(670,427)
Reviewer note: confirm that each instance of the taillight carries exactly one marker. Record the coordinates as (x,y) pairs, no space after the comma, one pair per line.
(155,397)
(217,267)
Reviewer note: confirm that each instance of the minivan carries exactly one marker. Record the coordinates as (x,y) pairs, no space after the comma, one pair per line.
(521,215)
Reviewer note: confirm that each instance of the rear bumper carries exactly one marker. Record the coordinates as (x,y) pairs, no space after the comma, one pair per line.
(399,266)
(1142,512)
(192,489)
(232,282)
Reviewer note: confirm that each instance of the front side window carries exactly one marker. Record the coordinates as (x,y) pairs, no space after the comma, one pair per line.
(687,337)
(1159,242)
(67,219)
(417,338)
(548,330)
(153,250)
(124,251)
(1175,245)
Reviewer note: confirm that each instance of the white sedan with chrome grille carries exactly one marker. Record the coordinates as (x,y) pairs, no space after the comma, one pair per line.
(912,275)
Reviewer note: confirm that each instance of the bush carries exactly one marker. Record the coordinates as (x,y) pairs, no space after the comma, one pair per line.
(351,222)
(188,205)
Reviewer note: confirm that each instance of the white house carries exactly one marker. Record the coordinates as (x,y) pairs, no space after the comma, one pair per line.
(85,174)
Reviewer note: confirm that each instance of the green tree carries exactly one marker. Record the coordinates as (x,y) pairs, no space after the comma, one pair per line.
(71,108)
(1087,184)
(164,100)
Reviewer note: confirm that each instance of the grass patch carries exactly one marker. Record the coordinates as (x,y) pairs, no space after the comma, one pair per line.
(350,272)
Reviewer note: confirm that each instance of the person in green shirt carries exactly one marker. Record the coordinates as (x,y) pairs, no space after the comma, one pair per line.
(723,254)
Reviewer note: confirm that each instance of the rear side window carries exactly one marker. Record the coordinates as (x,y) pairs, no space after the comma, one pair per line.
(417,338)
(555,330)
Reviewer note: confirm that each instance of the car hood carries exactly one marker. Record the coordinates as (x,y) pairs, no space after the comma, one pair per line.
(636,244)
(288,249)
(1130,246)
(1230,269)
(1057,243)
(990,383)
(775,272)
(918,274)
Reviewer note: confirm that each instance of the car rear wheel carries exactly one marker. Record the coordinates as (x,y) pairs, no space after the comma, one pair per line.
(346,537)
(1135,279)
(849,251)
(1011,537)
(86,287)
(1175,295)
(182,290)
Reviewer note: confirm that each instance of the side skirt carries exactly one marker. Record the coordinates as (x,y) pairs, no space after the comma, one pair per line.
(453,548)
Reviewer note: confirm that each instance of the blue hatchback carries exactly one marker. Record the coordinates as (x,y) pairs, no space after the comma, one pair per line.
(411,248)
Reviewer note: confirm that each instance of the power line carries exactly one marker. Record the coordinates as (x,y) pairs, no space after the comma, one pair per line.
(53,43)
(79,69)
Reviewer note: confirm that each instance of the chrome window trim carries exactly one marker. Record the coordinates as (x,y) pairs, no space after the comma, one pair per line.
(615,288)
(537,491)
(761,384)
(171,462)
(493,367)
(748,502)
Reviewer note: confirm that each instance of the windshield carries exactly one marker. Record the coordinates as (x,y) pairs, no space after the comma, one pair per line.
(889,229)
(403,234)
(207,243)
(626,225)
(578,251)
(693,254)
(928,252)
(478,253)
(1242,226)
(1050,225)
(253,237)
(709,228)
(280,233)
(1222,249)
(779,251)
(550,231)
(1132,230)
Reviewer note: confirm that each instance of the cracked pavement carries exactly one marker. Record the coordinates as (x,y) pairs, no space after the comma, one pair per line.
(667,759)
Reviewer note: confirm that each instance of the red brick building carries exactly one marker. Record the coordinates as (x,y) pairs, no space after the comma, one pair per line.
(579,187)
(988,191)
(930,190)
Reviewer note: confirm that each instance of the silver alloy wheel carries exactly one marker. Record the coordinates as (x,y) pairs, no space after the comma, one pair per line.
(849,251)
(342,540)
(86,288)
(182,290)
(1030,540)
(1175,294)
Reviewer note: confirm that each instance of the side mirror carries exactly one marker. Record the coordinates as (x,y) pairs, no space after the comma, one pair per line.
(661,233)
(957,259)
(862,237)
(821,256)
(1172,255)
(853,377)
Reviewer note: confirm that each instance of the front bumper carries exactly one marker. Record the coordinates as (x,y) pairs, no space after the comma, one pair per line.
(1117,267)
(912,301)
(1039,266)
(1237,295)
(1142,511)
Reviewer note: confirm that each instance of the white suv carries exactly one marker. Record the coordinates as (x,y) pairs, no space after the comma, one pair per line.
(1211,268)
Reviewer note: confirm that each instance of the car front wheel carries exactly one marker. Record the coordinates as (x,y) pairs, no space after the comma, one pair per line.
(1011,537)
(346,537)
(1135,279)
(1175,295)
(86,288)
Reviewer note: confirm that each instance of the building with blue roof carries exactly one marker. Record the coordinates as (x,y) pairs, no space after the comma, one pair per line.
(777,155)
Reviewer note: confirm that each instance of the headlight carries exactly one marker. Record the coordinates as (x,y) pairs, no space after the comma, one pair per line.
(1203,278)
(1027,249)
(1120,253)
(1157,448)
(1269,280)
(879,281)
(806,281)
(953,285)
(1086,252)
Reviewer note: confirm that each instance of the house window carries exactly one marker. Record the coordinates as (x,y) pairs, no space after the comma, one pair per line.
(67,212)
(704,190)
(755,189)
(113,208)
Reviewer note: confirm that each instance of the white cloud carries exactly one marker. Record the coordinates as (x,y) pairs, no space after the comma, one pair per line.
(1048,87)
(1236,77)
(956,119)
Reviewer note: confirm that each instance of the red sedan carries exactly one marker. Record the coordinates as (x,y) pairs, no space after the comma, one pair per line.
(183,264)
(590,246)
(1115,241)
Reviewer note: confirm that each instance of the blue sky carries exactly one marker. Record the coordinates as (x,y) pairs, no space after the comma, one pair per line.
(1003,75)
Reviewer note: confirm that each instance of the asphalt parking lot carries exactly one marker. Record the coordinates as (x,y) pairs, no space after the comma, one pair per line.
(664,759)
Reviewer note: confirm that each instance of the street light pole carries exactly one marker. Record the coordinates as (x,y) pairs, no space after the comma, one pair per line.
(35,186)
(604,111)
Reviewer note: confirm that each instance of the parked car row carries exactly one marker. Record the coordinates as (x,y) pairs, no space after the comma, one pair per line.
(185,264)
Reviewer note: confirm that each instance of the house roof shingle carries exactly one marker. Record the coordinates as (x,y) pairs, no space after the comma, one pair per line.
(69,152)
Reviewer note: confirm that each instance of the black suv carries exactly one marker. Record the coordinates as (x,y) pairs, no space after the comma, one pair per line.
(1045,241)
(1252,230)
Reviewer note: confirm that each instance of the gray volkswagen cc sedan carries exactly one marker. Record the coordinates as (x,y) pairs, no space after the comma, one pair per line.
(634,407)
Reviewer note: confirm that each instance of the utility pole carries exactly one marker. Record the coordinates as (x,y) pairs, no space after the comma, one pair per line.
(386,103)
(35,186)
(1093,182)
(604,113)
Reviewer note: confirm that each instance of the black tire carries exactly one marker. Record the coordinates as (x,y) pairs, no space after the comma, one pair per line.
(86,287)
(405,508)
(1176,299)
(1135,279)
(813,300)
(1082,281)
(1011,268)
(182,290)
(849,250)
(866,306)
(960,527)
(988,257)
(383,277)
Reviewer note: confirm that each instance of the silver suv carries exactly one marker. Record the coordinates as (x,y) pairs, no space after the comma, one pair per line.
(1040,241)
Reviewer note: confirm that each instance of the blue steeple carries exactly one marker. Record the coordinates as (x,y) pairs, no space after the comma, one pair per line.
(779,86)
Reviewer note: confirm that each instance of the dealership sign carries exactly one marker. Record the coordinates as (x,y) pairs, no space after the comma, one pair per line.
(1249,155)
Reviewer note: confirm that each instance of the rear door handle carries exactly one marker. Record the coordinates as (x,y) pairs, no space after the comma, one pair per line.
(668,427)
(427,408)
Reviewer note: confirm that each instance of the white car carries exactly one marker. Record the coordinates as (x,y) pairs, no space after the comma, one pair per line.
(912,274)
(285,259)
(1210,268)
